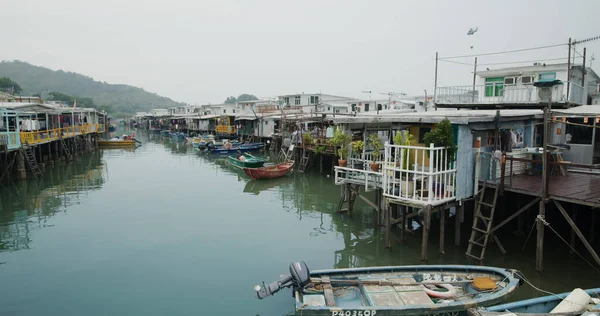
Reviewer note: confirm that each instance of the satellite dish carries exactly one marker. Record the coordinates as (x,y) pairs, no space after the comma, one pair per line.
(472,31)
(544,94)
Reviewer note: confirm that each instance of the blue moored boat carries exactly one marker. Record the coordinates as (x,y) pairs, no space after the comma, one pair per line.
(179,137)
(231,149)
(165,133)
(546,304)
(400,290)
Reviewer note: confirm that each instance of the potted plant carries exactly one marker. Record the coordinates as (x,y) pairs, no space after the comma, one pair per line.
(377,145)
(357,149)
(307,138)
(404,138)
(442,136)
(341,139)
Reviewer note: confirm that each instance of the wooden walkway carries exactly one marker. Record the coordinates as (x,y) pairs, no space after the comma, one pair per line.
(577,188)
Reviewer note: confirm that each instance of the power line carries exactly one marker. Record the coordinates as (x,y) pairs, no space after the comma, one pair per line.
(504,52)
(524,61)
(457,62)
(595,38)
(508,62)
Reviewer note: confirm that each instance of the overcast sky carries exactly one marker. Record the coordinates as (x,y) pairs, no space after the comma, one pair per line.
(200,51)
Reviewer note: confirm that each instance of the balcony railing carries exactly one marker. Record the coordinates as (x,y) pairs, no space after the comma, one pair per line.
(505,94)
(418,175)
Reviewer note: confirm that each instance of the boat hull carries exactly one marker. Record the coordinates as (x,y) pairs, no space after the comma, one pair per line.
(538,305)
(116,143)
(235,149)
(407,299)
(270,172)
(249,163)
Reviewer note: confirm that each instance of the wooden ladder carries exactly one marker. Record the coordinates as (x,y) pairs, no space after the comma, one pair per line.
(31,161)
(304,160)
(482,224)
(65,148)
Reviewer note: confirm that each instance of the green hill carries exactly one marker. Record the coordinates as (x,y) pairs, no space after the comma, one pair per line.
(117,98)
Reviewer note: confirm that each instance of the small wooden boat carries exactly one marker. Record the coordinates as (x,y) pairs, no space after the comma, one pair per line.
(117,143)
(248,162)
(400,290)
(577,302)
(270,172)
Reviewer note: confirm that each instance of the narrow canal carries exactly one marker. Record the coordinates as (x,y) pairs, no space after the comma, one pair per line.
(163,231)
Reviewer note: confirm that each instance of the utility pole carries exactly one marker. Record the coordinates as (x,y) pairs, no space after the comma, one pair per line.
(474,77)
(583,70)
(569,70)
(435,82)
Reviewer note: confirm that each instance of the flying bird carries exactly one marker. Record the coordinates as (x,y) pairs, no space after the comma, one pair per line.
(472,31)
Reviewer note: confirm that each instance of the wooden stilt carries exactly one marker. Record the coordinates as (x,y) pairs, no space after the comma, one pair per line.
(457,221)
(388,226)
(426,224)
(442,228)
(574,218)
(349,198)
(402,211)
(578,232)
(539,254)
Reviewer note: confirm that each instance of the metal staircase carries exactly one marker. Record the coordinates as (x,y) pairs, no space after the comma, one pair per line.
(304,160)
(31,161)
(482,224)
(65,148)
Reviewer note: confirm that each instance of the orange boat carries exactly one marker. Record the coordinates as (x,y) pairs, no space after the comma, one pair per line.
(270,172)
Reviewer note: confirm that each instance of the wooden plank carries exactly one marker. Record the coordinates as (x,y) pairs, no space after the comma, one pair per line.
(578,232)
(328,291)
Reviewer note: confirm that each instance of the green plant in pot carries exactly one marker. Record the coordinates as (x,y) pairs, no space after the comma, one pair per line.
(377,145)
(357,149)
(307,137)
(403,138)
(342,140)
(442,136)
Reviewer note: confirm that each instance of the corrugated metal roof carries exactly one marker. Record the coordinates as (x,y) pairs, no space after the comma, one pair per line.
(582,110)
(455,116)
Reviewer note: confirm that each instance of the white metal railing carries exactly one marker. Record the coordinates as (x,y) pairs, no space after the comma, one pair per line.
(370,179)
(502,93)
(420,175)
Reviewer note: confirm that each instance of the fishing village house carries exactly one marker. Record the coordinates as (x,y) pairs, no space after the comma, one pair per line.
(563,89)
(498,127)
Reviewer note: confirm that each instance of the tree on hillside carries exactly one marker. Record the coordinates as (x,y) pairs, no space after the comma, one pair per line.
(83,102)
(7,85)
(243,97)
(246,97)
(231,99)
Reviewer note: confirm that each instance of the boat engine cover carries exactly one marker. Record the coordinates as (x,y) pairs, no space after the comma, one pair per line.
(300,273)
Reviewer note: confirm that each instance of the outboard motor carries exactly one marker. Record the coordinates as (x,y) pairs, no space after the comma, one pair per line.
(299,277)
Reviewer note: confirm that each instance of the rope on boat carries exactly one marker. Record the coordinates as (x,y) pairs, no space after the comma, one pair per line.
(550,293)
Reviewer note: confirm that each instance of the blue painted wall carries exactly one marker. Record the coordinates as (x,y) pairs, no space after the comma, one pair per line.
(466,163)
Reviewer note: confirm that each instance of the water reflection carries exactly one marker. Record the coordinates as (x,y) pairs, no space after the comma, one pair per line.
(28,205)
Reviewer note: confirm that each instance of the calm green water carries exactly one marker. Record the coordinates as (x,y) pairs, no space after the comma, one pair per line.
(163,231)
